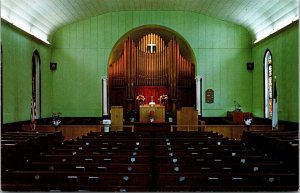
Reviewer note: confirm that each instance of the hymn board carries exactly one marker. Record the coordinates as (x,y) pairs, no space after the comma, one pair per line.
(151,67)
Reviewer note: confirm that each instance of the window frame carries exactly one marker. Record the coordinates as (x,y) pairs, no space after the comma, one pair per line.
(36,82)
(268,83)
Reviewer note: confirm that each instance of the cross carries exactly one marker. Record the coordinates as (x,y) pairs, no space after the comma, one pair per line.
(151,45)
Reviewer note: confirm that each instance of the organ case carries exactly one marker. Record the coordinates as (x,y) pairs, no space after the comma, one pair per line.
(160,70)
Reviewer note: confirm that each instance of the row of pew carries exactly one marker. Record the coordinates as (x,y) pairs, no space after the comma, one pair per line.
(17,148)
(97,162)
(209,162)
(143,162)
(280,145)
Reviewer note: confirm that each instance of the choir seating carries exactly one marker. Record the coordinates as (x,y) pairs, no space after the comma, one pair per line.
(149,161)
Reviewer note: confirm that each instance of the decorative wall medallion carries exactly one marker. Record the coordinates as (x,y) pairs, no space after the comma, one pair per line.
(209,96)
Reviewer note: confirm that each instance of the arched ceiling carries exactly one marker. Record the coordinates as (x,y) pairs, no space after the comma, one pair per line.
(42,18)
(165,33)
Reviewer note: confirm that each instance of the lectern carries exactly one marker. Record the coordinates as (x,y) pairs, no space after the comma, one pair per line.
(238,117)
(116,113)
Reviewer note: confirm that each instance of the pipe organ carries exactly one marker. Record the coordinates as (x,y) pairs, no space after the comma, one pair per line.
(152,67)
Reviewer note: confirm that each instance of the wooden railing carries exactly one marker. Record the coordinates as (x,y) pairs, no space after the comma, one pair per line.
(187,128)
(74,131)
(117,128)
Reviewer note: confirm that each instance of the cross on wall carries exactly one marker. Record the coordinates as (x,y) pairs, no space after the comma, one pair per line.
(152,47)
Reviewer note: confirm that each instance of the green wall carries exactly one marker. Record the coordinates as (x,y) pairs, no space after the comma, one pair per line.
(284,47)
(82,52)
(18,49)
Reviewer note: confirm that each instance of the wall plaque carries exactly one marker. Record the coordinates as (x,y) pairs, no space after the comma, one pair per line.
(209,96)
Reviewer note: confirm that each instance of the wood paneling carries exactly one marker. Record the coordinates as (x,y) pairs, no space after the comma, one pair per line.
(187,116)
(239,117)
(116,113)
(73,131)
(158,113)
(68,131)
(234,131)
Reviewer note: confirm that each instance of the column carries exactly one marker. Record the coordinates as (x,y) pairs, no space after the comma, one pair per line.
(198,93)
(104,96)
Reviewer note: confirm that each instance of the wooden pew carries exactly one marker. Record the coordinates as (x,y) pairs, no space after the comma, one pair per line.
(95,151)
(18,148)
(86,180)
(109,143)
(73,188)
(178,161)
(96,159)
(226,182)
(259,167)
(281,145)
(90,167)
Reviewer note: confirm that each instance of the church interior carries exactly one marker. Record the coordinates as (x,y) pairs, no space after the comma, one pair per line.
(149,95)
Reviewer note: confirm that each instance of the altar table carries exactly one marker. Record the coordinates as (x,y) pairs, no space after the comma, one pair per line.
(158,113)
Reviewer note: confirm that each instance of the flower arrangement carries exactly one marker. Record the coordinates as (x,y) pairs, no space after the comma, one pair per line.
(131,115)
(56,120)
(163,99)
(248,123)
(140,98)
(170,116)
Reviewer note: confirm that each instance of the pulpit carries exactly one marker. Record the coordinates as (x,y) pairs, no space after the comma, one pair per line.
(238,117)
(116,118)
(156,112)
(187,116)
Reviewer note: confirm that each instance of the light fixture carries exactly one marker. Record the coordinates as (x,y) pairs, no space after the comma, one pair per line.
(24,26)
(278,25)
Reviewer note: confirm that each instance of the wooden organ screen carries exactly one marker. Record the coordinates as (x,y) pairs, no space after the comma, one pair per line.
(151,67)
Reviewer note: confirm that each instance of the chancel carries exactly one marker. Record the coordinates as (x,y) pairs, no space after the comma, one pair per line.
(149,96)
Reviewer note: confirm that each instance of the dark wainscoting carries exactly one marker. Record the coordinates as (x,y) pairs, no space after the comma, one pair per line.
(17,126)
(288,125)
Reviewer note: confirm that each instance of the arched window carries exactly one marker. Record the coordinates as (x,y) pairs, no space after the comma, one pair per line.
(1,68)
(36,83)
(268,81)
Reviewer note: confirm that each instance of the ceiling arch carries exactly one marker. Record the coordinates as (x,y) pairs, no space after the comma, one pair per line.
(165,33)
(42,18)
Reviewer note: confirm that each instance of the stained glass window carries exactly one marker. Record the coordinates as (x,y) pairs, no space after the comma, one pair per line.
(268,81)
(36,82)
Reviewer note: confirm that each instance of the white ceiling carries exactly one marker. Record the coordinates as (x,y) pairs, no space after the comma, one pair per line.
(42,18)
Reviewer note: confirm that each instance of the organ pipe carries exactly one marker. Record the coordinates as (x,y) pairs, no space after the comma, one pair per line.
(165,66)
